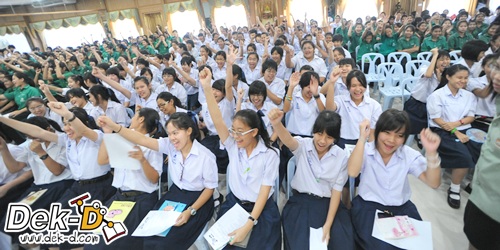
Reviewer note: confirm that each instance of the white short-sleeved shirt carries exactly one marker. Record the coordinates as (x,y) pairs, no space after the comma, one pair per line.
(319,176)
(82,156)
(122,98)
(388,184)
(248,174)
(196,172)
(475,70)
(52,116)
(149,103)
(88,108)
(219,73)
(442,104)
(277,87)
(251,75)
(136,180)
(190,89)
(5,175)
(177,90)
(266,107)
(226,108)
(341,88)
(164,117)
(115,111)
(353,115)
(424,88)
(41,173)
(283,71)
(316,63)
(485,106)
(245,87)
(302,114)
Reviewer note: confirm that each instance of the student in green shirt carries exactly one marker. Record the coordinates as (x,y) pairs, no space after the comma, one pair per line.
(145,46)
(23,90)
(488,33)
(458,39)
(473,30)
(436,40)
(480,24)
(354,37)
(343,29)
(366,45)
(408,42)
(162,45)
(389,41)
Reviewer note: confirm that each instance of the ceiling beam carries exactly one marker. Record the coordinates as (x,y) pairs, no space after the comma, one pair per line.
(48,13)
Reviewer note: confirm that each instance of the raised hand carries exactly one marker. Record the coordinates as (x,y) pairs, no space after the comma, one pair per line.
(241,92)
(294,79)
(364,130)
(59,108)
(206,77)
(106,122)
(36,147)
(275,116)
(430,141)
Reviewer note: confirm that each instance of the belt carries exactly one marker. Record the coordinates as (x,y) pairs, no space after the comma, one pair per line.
(95,180)
(310,194)
(130,193)
(244,202)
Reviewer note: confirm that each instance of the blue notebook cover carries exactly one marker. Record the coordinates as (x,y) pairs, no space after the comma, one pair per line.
(171,206)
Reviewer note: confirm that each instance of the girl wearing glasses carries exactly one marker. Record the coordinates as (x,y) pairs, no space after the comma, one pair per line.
(36,106)
(168,105)
(318,181)
(253,169)
(193,171)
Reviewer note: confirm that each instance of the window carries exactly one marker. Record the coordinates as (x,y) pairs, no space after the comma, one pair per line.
(185,22)
(493,5)
(74,36)
(313,9)
(229,16)
(439,6)
(125,28)
(18,40)
(360,8)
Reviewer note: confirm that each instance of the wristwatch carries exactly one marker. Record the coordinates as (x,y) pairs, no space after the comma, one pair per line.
(255,221)
(44,157)
(193,211)
(316,96)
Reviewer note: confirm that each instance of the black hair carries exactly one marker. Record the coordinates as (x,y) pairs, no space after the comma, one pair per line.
(359,75)
(104,66)
(170,71)
(450,71)
(346,61)
(152,122)
(251,45)
(220,85)
(305,78)
(253,53)
(90,77)
(393,120)
(144,70)
(75,92)
(254,121)
(269,64)
(258,88)
(307,42)
(337,38)
(114,71)
(183,121)
(187,60)
(221,53)
(79,79)
(35,99)
(472,49)
(441,53)
(82,115)
(167,96)
(27,79)
(143,79)
(239,72)
(105,93)
(340,50)
(279,42)
(143,62)
(306,67)
(278,50)
(328,122)
(44,123)
(209,52)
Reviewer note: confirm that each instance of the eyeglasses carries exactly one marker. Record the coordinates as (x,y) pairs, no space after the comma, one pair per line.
(239,134)
(494,66)
(37,107)
(270,71)
(161,105)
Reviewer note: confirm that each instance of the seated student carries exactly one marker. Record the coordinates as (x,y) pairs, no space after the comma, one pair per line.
(23,90)
(172,85)
(37,107)
(168,105)
(334,58)
(384,165)
(148,74)
(353,108)
(282,71)
(482,88)
(389,39)
(354,37)
(275,86)
(487,34)
(345,66)
(251,67)
(321,173)
(48,164)
(436,40)
(138,186)
(6,106)
(220,67)
(113,74)
(366,45)
(193,170)
(105,104)
(408,42)
(451,110)
(306,58)
(206,57)
(458,38)
(338,41)
(236,77)
(253,169)
(472,53)
(189,79)
(74,81)
(415,106)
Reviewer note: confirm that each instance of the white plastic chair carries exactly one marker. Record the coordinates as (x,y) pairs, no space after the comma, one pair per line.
(391,73)
(357,48)
(377,46)
(371,59)
(398,57)
(455,56)
(414,68)
(290,172)
(426,56)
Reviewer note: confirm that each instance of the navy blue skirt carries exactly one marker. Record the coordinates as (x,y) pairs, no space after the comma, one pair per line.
(13,195)
(455,154)
(143,204)
(184,236)
(417,111)
(303,211)
(363,215)
(267,233)
(212,142)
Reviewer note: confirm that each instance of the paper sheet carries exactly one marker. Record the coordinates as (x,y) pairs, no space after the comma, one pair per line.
(155,222)
(316,239)
(421,242)
(234,218)
(118,149)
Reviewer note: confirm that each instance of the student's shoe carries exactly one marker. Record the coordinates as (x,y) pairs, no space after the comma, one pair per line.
(454,203)
(468,188)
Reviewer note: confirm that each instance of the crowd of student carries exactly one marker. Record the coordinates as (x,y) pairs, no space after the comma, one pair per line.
(242,102)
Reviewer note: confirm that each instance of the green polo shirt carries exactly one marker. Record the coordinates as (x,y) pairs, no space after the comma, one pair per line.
(63,83)
(162,49)
(485,37)
(365,48)
(408,44)
(20,96)
(485,192)
(429,44)
(482,28)
(388,45)
(354,39)
(342,32)
(456,42)
(31,73)
(475,33)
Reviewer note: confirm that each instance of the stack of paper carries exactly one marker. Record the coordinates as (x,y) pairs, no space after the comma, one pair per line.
(217,236)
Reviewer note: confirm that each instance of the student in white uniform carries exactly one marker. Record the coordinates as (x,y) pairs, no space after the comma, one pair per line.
(451,110)
(416,105)
(171,84)
(251,67)
(320,175)
(238,80)
(189,79)
(473,52)
(353,108)
(105,104)
(48,164)
(384,165)
(275,86)
(206,57)
(219,71)
(283,72)
(37,107)
(139,186)
(193,171)
(307,58)
(168,105)
(345,66)
(253,170)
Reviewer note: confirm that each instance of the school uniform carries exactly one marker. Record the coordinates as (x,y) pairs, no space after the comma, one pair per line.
(190,177)
(164,117)
(244,86)
(283,71)
(266,107)
(416,105)
(177,90)
(251,74)
(341,89)
(115,111)
(313,183)
(52,116)
(121,97)
(384,187)
(219,73)
(145,103)
(246,176)
(485,109)
(352,115)
(134,186)
(475,70)
(442,104)
(316,63)
(192,91)
(302,114)
(277,87)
